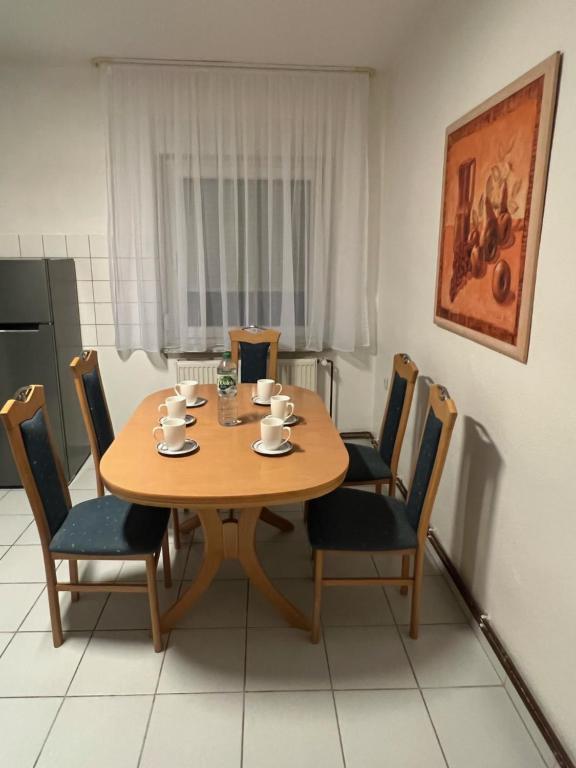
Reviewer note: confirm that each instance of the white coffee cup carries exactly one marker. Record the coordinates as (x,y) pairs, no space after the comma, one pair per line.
(281,407)
(265,387)
(173,432)
(175,406)
(187,389)
(272,432)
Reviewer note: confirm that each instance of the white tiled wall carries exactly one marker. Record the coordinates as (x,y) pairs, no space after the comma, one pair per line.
(90,253)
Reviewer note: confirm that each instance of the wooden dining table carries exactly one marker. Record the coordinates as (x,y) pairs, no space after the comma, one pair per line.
(226,474)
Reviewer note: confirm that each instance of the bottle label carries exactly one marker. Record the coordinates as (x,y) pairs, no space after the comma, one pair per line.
(226,383)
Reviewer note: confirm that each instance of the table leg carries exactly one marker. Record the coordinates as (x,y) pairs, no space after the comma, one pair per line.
(248,519)
(213,556)
(266,515)
(237,542)
(190,525)
(276,520)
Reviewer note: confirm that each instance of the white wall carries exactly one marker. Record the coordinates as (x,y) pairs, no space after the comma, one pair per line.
(505,509)
(52,172)
(53,203)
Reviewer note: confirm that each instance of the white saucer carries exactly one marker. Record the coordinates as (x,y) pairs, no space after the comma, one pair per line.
(260,400)
(258,447)
(189,419)
(189,447)
(291,420)
(196,403)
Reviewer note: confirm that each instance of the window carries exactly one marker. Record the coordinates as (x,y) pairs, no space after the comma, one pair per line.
(237,197)
(241,251)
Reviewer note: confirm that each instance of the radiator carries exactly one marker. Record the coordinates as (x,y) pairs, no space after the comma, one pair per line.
(302,372)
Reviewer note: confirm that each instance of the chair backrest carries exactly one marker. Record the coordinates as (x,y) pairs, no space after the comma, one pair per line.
(404,375)
(257,348)
(94,407)
(25,418)
(441,415)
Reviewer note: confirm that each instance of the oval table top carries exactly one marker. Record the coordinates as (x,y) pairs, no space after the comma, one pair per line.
(225,472)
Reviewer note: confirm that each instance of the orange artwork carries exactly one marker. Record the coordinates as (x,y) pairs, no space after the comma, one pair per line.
(494,182)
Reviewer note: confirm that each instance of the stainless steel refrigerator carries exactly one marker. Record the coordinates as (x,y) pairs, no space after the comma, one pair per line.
(39,336)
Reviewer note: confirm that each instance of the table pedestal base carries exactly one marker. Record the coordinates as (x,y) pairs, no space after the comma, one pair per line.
(282,523)
(231,539)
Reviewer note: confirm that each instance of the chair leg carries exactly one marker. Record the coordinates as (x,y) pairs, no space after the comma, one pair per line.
(378,488)
(153,600)
(392,487)
(416,592)
(73,571)
(405,572)
(318,568)
(53,602)
(176,526)
(166,561)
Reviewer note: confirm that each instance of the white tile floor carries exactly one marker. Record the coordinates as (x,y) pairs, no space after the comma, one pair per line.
(236,687)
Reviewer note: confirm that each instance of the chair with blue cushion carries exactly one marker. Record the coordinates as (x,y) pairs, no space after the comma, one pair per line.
(352,520)
(105,528)
(377,464)
(94,408)
(255,350)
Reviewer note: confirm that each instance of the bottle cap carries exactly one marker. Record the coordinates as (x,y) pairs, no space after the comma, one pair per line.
(226,355)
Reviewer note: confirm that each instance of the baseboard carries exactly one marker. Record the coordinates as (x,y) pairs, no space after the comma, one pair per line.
(513,675)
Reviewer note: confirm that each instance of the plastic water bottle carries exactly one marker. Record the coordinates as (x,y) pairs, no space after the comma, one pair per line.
(227,378)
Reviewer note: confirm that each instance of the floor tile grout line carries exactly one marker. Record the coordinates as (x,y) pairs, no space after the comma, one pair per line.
(149,718)
(340,739)
(245,676)
(3,651)
(433,727)
(164,652)
(418,688)
(545,764)
(45,741)
(255,690)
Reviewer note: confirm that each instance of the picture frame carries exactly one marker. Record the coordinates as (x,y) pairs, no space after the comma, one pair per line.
(495,171)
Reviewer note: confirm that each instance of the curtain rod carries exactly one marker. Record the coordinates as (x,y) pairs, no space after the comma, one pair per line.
(232,65)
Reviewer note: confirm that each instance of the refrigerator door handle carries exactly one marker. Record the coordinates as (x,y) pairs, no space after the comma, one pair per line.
(30,328)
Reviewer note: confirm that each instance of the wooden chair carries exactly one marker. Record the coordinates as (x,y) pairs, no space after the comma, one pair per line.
(351,520)
(96,417)
(257,351)
(105,528)
(378,464)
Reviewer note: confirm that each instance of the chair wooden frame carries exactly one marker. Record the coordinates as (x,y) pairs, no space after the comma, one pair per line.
(87,363)
(255,335)
(445,410)
(405,367)
(25,404)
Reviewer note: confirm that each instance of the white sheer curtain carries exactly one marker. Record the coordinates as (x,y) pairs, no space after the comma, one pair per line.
(237,197)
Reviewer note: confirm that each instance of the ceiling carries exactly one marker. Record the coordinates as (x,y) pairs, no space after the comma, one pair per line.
(340,32)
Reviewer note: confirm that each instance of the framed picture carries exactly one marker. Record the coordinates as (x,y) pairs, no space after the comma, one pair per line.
(495,168)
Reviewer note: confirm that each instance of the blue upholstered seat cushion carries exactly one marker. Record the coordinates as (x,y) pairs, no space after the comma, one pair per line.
(254,359)
(110,526)
(365,464)
(348,519)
